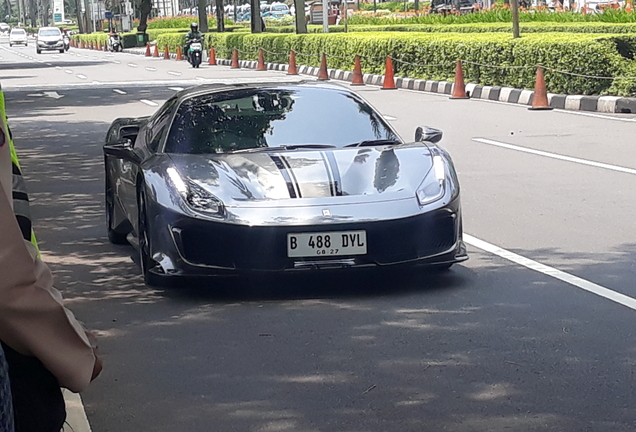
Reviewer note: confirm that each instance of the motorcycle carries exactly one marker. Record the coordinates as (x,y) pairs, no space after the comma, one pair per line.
(114,43)
(195,52)
(67,42)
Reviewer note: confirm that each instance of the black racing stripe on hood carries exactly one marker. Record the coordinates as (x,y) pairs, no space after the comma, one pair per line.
(334,174)
(285,172)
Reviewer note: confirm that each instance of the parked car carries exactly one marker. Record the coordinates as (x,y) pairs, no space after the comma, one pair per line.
(18,36)
(4,28)
(227,179)
(275,10)
(49,38)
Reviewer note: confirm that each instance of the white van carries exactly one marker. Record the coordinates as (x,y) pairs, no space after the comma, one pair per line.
(49,38)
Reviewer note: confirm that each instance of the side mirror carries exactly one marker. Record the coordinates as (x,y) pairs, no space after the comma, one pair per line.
(428,134)
(122,149)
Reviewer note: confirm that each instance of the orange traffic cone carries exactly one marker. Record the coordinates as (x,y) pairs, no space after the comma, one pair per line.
(260,66)
(179,57)
(235,60)
(358,79)
(148,49)
(540,97)
(292,70)
(389,79)
(212,59)
(166,53)
(156,51)
(323,75)
(459,89)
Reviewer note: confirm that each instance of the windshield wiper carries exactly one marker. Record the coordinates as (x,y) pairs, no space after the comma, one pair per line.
(377,142)
(285,147)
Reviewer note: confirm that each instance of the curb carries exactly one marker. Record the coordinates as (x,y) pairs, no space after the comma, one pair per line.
(602,104)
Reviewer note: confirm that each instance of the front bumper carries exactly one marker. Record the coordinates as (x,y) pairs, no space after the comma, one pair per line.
(188,246)
(51,45)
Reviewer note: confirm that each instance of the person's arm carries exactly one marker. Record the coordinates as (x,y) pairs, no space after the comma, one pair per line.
(33,319)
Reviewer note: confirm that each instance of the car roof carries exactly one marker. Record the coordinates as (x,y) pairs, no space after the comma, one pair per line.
(222,87)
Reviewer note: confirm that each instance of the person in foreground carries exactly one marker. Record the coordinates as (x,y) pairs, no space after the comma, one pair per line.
(45,346)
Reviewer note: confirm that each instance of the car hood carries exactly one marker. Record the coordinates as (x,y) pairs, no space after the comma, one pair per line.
(360,174)
(50,38)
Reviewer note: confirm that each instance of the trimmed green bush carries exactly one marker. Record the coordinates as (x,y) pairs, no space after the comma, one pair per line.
(490,58)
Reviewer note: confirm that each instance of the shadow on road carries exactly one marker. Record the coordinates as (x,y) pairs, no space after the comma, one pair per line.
(487,346)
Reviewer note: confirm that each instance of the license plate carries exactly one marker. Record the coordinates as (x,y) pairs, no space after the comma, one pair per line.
(333,243)
(195,47)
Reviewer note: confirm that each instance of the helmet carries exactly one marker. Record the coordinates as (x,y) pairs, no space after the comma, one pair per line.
(194,26)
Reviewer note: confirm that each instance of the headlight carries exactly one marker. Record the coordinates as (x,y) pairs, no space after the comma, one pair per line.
(196,197)
(434,185)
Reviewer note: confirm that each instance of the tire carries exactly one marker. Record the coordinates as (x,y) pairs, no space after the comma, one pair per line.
(38,51)
(113,236)
(62,51)
(145,262)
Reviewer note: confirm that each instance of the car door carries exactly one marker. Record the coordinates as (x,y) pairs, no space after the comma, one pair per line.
(146,145)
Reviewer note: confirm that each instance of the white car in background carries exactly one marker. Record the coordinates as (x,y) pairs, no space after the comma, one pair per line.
(49,38)
(18,36)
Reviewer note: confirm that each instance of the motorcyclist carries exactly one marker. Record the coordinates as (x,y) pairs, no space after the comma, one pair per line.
(113,38)
(193,34)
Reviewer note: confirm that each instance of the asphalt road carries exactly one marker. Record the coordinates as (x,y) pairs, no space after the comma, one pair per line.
(491,345)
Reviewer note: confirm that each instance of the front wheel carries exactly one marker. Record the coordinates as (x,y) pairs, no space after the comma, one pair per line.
(39,51)
(145,261)
(62,51)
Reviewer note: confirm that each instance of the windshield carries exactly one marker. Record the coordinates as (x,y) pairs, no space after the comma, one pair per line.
(262,118)
(280,8)
(51,32)
(18,31)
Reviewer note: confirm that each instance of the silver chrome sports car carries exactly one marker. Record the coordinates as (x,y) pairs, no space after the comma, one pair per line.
(224,179)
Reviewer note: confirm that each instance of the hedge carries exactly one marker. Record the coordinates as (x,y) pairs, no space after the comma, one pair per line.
(533,27)
(433,56)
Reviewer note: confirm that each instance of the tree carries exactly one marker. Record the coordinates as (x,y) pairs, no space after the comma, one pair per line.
(145,7)
(220,16)
(203,16)
(301,22)
(255,16)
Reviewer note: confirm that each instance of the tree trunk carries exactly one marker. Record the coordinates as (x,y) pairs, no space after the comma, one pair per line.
(145,8)
(203,16)
(301,22)
(220,17)
(255,15)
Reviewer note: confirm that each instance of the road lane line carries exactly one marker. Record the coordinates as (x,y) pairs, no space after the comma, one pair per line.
(175,88)
(151,103)
(121,92)
(553,272)
(151,69)
(556,156)
(174,73)
(132,65)
(81,76)
(68,71)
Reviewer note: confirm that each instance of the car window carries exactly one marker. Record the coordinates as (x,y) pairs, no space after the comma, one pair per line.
(50,32)
(252,118)
(18,31)
(159,124)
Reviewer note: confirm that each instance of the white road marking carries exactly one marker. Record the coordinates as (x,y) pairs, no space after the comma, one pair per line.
(174,73)
(551,271)
(175,88)
(601,116)
(121,92)
(556,156)
(75,415)
(68,71)
(81,76)
(151,69)
(132,65)
(151,103)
